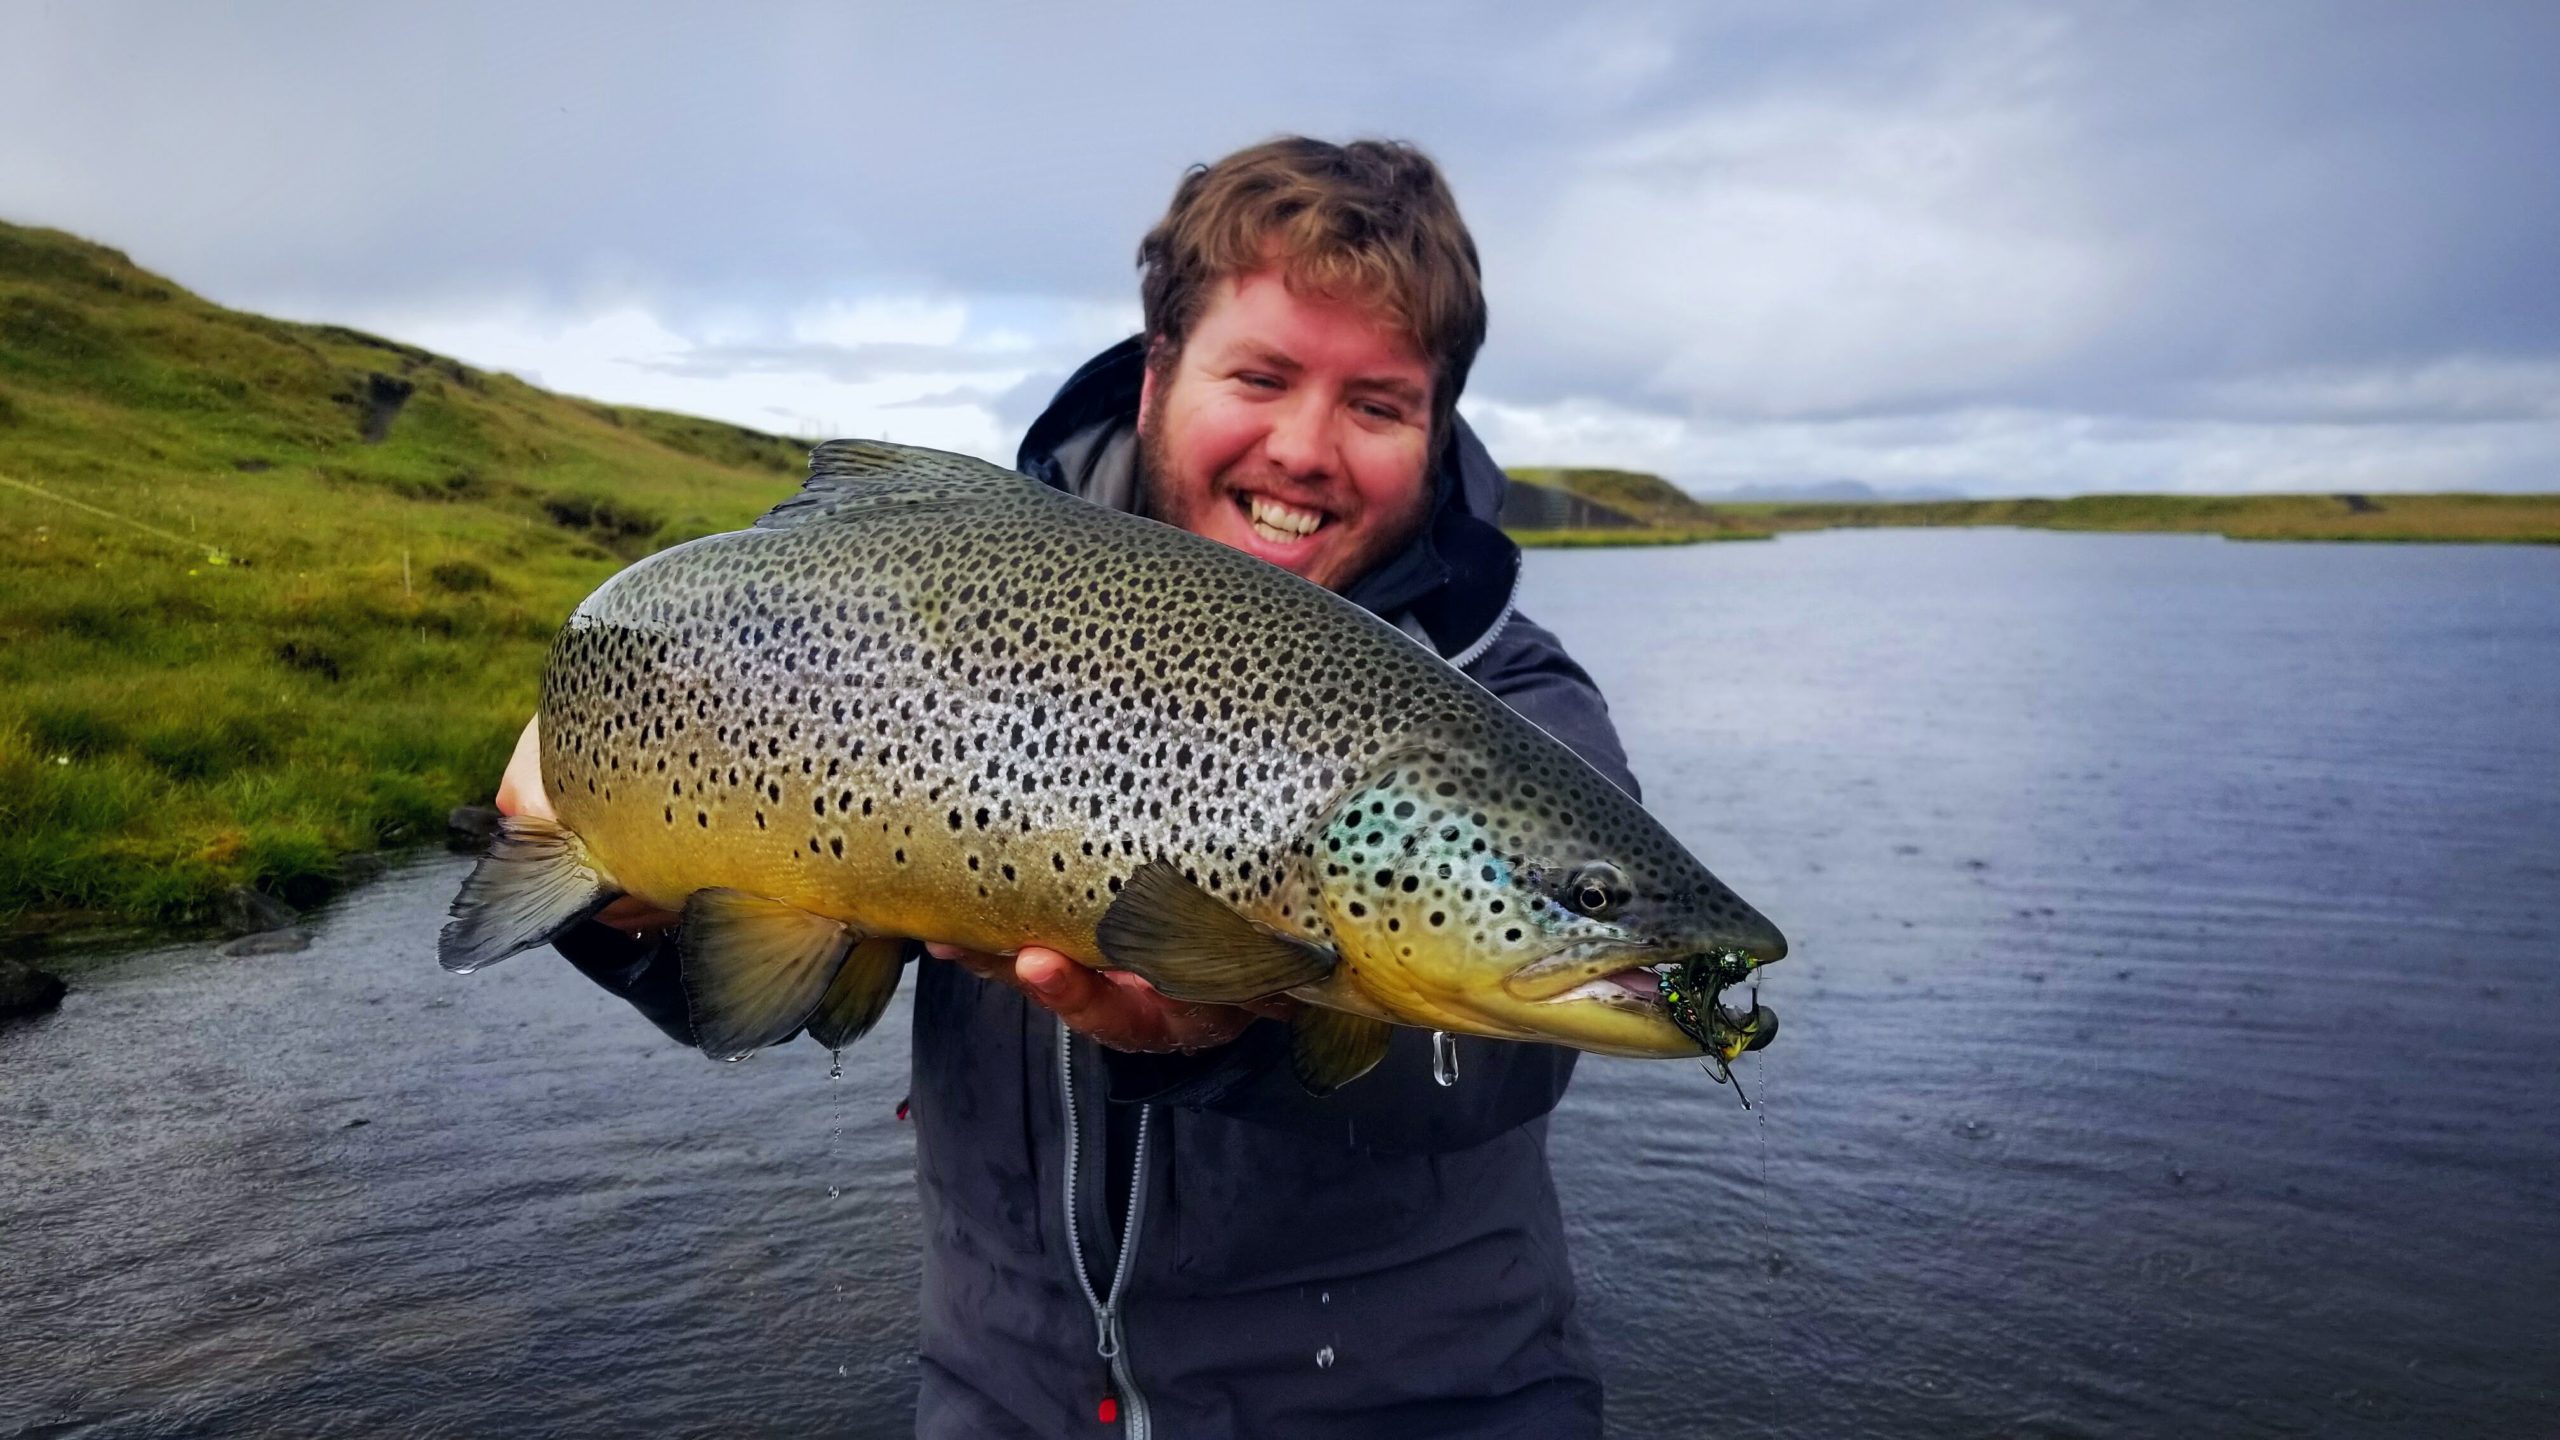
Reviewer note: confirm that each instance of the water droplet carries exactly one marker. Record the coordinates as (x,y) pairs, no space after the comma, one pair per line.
(833,1192)
(1325,1298)
(841,1370)
(835,1064)
(1444,1058)
(1324,1358)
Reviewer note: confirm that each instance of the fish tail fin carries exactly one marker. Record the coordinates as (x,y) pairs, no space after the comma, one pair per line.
(536,881)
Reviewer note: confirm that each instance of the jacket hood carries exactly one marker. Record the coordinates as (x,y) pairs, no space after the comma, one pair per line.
(1450,587)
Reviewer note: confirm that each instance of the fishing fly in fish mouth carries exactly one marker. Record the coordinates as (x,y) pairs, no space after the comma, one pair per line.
(933,698)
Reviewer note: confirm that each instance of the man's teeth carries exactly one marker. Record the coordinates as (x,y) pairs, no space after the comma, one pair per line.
(1280,523)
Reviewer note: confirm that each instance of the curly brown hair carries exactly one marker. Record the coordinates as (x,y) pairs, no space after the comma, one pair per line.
(1371,223)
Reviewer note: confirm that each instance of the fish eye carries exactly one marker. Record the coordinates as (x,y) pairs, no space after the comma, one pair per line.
(1596,889)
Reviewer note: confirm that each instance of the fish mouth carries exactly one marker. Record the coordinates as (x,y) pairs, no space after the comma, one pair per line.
(1688,992)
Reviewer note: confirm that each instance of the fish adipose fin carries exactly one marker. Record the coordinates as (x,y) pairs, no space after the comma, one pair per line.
(754,969)
(1331,1048)
(848,476)
(1191,945)
(536,881)
(861,991)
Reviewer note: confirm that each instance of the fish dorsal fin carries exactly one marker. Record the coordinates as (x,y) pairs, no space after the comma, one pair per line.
(1331,1048)
(861,991)
(847,476)
(1192,945)
(754,969)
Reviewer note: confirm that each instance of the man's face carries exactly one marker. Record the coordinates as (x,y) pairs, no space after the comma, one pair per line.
(1293,428)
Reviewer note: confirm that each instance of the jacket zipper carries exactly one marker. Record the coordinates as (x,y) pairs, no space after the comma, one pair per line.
(1109,1341)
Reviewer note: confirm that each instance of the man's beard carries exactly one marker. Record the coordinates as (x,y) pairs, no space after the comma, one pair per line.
(1172,506)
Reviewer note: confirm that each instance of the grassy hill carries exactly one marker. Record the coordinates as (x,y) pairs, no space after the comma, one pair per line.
(1665,513)
(1648,498)
(275,593)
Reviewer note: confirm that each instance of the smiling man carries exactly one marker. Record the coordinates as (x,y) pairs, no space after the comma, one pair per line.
(1136,1221)
(1293,427)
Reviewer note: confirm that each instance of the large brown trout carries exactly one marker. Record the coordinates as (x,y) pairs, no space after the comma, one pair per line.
(931,698)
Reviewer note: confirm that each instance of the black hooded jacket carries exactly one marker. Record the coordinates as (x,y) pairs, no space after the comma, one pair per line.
(1388,1260)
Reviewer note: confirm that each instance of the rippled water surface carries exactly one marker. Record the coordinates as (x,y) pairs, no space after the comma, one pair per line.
(2169,1048)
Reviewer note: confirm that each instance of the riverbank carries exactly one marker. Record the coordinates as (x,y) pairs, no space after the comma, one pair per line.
(275,595)
(2428,519)
(1660,515)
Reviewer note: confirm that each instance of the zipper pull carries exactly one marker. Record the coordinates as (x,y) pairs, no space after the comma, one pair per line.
(1107,1335)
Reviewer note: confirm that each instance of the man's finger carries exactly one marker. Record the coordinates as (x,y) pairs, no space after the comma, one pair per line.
(1090,1002)
(520,789)
(636,915)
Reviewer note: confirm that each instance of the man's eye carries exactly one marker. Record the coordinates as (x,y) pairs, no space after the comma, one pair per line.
(1387,413)
(1261,382)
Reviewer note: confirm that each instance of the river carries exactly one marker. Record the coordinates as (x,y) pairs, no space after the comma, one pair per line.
(2168,1049)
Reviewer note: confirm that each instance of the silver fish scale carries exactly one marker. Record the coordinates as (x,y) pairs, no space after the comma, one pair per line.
(936,693)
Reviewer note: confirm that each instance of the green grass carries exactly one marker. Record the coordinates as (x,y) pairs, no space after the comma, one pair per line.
(238,641)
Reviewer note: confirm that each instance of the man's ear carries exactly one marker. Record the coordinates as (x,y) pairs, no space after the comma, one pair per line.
(1147,381)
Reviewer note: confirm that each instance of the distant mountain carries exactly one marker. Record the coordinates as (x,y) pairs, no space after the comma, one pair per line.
(1842,492)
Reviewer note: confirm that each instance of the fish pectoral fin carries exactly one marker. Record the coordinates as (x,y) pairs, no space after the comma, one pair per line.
(536,881)
(754,969)
(1331,1048)
(861,991)
(1192,945)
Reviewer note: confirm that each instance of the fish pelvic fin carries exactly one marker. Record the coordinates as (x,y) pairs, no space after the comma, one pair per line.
(1192,945)
(1331,1048)
(754,969)
(861,991)
(847,477)
(536,881)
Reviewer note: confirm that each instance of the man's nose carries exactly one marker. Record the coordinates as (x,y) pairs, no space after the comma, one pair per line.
(1301,442)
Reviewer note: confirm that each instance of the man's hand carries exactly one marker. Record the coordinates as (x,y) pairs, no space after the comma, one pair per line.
(1113,1006)
(521,793)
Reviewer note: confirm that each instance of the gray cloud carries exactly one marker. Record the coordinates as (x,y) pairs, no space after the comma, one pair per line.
(2183,242)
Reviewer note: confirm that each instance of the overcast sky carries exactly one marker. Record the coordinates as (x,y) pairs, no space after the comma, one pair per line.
(2009,249)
